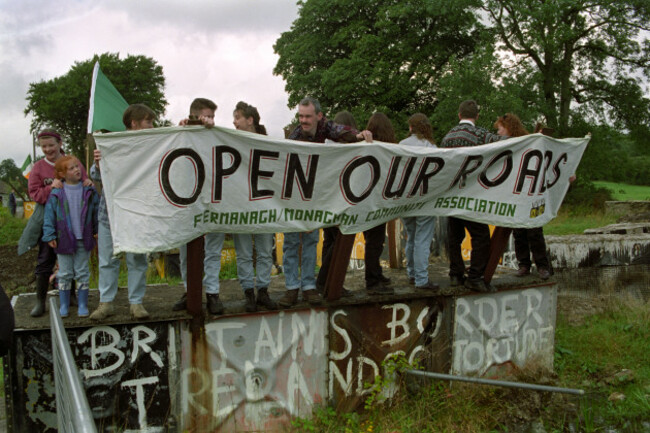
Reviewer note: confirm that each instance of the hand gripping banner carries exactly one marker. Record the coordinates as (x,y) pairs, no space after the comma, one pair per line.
(167,186)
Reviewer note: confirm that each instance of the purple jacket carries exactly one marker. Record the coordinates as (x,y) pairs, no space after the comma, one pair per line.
(57,224)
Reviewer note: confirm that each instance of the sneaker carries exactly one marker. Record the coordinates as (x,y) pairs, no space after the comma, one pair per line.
(104,310)
(544,273)
(250,305)
(214,304)
(312,297)
(477,286)
(264,300)
(181,304)
(138,312)
(379,289)
(290,298)
(523,271)
(412,281)
(429,286)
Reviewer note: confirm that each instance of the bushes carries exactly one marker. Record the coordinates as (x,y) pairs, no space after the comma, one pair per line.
(10,227)
(583,194)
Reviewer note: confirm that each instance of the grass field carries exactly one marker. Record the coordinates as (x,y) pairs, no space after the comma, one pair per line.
(575,221)
(624,192)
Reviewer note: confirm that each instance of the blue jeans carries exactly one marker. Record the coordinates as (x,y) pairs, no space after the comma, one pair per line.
(245,268)
(109,269)
(307,279)
(74,266)
(213,243)
(419,231)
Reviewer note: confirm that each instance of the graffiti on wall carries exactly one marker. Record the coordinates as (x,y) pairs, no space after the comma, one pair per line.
(254,372)
(364,336)
(504,327)
(124,375)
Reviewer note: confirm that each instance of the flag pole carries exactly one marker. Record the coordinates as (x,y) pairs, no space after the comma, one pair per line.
(91,109)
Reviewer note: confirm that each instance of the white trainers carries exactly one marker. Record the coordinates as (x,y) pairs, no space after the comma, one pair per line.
(138,312)
(104,310)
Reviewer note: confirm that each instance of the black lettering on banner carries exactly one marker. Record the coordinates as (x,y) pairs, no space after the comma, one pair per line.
(392,174)
(422,180)
(548,157)
(256,173)
(306,181)
(525,172)
(375,172)
(503,175)
(465,169)
(221,172)
(165,184)
(556,169)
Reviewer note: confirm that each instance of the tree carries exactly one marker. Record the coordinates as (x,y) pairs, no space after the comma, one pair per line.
(12,176)
(588,56)
(374,55)
(62,102)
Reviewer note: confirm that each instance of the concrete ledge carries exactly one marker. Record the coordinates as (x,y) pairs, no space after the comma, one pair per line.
(596,250)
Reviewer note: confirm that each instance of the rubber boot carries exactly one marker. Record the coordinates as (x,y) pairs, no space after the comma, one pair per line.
(42,282)
(64,299)
(73,295)
(82,297)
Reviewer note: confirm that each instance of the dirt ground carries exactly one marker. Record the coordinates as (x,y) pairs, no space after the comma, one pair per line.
(16,271)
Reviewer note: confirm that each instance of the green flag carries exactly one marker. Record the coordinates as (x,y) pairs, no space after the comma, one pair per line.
(27,166)
(27,163)
(106,104)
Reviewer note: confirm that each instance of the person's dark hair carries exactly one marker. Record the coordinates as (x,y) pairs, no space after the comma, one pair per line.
(381,127)
(345,118)
(421,127)
(137,113)
(512,123)
(311,101)
(199,104)
(249,111)
(468,109)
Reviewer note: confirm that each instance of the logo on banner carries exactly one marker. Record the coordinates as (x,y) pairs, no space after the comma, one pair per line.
(537,208)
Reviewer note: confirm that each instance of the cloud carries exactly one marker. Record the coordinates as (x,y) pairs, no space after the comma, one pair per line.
(221,50)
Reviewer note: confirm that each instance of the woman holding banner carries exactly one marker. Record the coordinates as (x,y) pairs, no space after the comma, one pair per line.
(376,283)
(247,118)
(526,240)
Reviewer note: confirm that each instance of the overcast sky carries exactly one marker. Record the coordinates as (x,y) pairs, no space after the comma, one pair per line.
(222,50)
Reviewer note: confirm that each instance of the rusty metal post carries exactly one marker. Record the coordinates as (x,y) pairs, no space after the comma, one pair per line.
(392,227)
(498,244)
(339,265)
(195,277)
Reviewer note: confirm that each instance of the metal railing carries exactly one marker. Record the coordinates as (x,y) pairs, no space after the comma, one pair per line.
(507,384)
(72,409)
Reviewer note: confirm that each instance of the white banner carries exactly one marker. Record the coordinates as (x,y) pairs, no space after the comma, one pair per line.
(166,186)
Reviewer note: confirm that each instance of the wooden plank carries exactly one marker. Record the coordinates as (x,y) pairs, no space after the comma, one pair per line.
(339,266)
(498,244)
